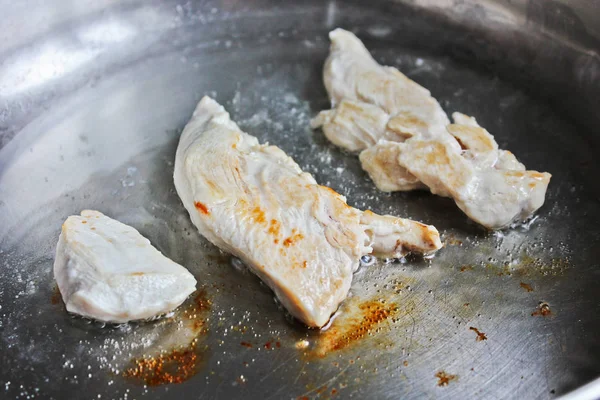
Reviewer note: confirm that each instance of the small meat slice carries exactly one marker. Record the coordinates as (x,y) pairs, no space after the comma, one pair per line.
(394,237)
(381,163)
(491,197)
(372,103)
(300,238)
(350,73)
(353,125)
(393,121)
(108,271)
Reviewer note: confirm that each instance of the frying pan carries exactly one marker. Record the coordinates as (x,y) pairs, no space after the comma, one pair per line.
(93,96)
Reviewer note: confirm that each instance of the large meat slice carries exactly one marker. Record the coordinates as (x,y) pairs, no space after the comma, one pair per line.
(300,238)
(108,271)
(406,142)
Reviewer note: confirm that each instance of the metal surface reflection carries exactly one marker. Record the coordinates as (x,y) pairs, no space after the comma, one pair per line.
(93,97)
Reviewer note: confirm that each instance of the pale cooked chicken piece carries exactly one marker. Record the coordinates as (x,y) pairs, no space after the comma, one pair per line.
(492,197)
(350,73)
(300,238)
(394,121)
(480,145)
(487,184)
(356,125)
(381,163)
(372,103)
(108,271)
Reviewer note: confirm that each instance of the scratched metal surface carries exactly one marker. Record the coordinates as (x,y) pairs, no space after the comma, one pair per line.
(94,95)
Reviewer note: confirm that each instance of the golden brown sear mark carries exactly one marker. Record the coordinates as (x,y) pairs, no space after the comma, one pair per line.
(274,227)
(201,207)
(372,314)
(480,335)
(293,238)
(181,363)
(258,215)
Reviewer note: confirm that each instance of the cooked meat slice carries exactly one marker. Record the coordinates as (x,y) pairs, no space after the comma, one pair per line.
(381,163)
(353,125)
(396,237)
(351,73)
(393,121)
(300,238)
(491,197)
(108,271)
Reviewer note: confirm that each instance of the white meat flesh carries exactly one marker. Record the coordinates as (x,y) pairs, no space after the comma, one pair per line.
(108,271)
(406,142)
(300,238)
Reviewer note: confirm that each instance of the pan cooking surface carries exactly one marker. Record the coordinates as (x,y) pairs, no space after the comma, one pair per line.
(95,124)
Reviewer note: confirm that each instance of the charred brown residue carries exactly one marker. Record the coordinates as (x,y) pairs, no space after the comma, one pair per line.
(175,367)
(270,345)
(543,310)
(320,390)
(201,305)
(480,335)
(529,265)
(451,240)
(219,258)
(194,315)
(500,270)
(526,286)
(348,331)
(201,207)
(56,297)
(466,268)
(182,362)
(246,344)
(444,378)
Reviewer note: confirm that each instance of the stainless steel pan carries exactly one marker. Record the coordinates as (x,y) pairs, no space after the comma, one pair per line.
(93,96)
